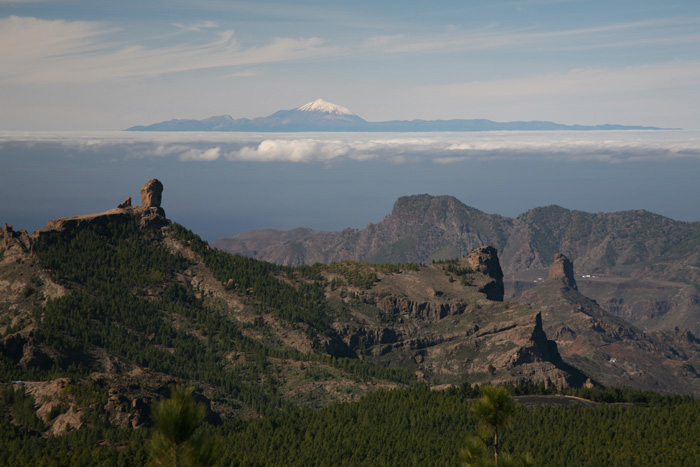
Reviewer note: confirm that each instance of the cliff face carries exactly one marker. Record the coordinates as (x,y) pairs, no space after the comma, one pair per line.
(423,228)
(607,348)
(14,243)
(447,322)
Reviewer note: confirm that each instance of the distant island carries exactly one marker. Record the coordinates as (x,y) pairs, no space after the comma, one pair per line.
(325,116)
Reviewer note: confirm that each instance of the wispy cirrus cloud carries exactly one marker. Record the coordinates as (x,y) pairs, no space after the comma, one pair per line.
(198,26)
(37,50)
(581,81)
(667,31)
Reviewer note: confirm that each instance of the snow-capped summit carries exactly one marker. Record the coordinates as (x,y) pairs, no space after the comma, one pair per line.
(319,105)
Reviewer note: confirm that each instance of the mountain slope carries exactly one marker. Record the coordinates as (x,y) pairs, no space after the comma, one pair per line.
(605,347)
(122,304)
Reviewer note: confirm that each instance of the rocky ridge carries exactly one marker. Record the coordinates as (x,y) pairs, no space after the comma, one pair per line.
(446,323)
(607,348)
(637,265)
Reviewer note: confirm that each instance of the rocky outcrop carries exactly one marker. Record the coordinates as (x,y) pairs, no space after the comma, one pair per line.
(151,193)
(634,245)
(360,338)
(562,269)
(447,321)
(24,351)
(151,214)
(14,242)
(152,217)
(128,405)
(420,310)
(484,260)
(69,224)
(608,349)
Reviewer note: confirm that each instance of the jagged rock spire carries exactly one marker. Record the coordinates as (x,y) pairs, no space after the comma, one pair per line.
(151,193)
(562,268)
(485,261)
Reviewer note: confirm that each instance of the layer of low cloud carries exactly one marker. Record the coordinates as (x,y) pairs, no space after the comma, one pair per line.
(436,148)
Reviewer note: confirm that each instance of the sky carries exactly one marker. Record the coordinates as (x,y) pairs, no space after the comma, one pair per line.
(104,65)
(74,73)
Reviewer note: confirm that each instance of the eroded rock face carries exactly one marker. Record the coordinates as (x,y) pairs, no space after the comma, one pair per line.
(485,261)
(24,351)
(151,193)
(422,310)
(562,269)
(152,215)
(12,241)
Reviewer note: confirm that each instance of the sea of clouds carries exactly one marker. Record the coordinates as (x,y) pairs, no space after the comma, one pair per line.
(394,148)
(220,184)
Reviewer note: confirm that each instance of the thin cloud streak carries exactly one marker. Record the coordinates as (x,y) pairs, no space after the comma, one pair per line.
(585,82)
(196,27)
(666,31)
(35,50)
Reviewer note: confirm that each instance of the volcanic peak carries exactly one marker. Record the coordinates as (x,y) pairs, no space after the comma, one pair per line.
(319,105)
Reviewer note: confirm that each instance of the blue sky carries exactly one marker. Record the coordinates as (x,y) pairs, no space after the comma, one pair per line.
(99,65)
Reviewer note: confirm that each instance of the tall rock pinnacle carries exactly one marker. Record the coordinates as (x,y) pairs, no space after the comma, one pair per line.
(485,261)
(562,269)
(151,193)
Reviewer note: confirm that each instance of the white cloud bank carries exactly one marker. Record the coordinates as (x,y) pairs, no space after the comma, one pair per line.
(437,148)
(447,149)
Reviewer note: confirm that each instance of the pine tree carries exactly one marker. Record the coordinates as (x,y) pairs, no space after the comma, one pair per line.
(178,441)
(495,409)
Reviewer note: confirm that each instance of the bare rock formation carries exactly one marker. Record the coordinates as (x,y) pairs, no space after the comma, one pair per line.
(25,351)
(152,215)
(485,260)
(430,310)
(562,269)
(16,242)
(151,193)
(67,224)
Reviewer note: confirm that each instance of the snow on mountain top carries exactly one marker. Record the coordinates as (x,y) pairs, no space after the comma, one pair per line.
(319,105)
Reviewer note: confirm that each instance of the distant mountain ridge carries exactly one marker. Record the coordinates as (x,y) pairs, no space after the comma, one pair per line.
(655,260)
(321,115)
